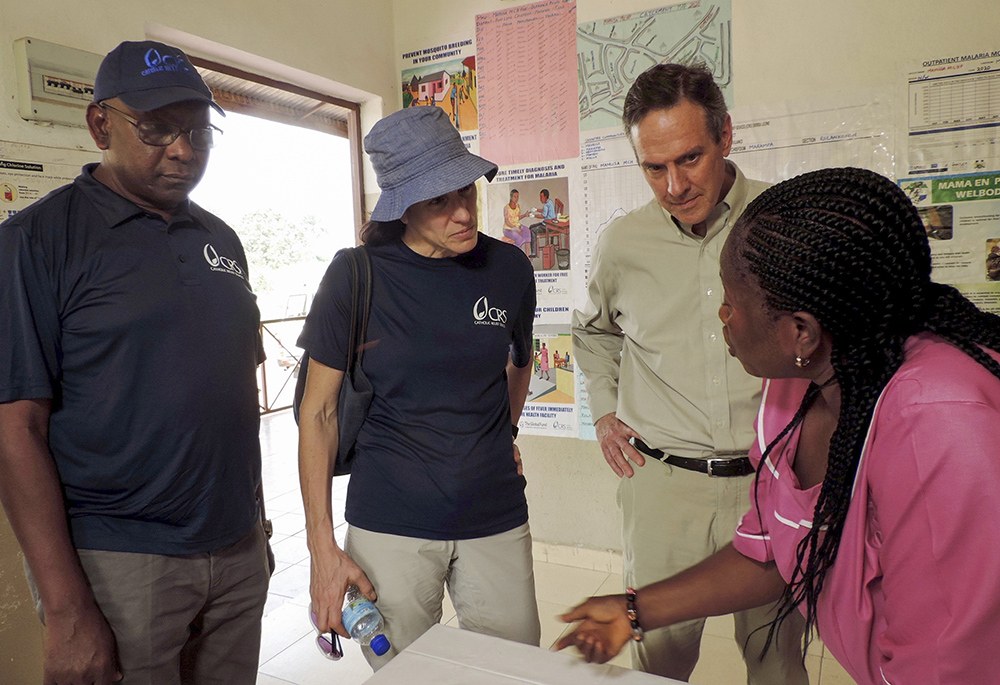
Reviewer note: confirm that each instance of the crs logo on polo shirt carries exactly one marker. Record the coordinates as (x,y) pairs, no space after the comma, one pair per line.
(485,315)
(216,262)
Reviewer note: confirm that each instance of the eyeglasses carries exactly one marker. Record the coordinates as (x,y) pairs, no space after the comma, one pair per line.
(327,643)
(162,134)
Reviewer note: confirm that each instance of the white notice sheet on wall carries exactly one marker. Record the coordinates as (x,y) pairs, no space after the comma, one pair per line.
(951,115)
(30,172)
(611,186)
(775,143)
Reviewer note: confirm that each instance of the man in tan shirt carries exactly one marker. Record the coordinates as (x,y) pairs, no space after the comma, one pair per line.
(667,395)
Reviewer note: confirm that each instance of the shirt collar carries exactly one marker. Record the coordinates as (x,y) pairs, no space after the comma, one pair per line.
(734,199)
(115,209)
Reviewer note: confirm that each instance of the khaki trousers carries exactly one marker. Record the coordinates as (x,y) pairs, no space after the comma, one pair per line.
(490,582)
(191,619)
(672,519)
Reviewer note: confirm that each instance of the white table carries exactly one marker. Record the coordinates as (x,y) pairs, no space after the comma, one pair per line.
(449,656)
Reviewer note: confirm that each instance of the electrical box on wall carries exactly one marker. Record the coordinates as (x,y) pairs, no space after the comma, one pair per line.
(54,82)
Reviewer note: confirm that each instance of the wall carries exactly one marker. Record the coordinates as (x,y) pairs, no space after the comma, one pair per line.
(340,48)
(783,50)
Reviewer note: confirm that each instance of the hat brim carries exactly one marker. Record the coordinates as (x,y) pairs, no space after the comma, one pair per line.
(450,175)
(154,98)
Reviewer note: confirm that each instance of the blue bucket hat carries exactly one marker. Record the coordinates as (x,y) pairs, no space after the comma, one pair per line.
(418,155)
(147,75)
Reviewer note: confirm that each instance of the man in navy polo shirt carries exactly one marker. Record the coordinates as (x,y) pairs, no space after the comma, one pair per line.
(129,453)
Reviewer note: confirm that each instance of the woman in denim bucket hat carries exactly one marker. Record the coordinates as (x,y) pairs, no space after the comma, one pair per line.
(436,495)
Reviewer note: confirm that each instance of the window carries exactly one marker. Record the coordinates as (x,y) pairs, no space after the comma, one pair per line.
(286,175)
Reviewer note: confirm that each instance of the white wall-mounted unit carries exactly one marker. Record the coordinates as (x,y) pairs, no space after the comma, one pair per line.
(54,82)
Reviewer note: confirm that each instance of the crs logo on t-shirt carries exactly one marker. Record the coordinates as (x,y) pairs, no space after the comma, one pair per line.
(485,315)
(217,262)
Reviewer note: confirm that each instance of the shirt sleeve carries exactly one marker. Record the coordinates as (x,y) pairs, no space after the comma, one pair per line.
(934,485)
(597,339)
(521,343)
(327,327)
(30,330)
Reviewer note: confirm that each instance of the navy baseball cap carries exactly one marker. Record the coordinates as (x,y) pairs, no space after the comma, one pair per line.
(147,75)
(417,155)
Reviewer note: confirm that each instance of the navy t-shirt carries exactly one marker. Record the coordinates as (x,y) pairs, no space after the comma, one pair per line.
(435,455)
(145,336)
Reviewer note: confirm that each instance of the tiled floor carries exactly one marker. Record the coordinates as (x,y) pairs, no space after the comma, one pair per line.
(563,576)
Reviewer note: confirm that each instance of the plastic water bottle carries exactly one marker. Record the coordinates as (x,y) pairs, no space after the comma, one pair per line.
(363,621)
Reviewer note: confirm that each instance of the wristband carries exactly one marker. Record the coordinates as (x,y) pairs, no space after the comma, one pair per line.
(633,614)
(514,430)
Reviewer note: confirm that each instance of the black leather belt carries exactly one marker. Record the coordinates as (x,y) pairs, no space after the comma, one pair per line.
(714,467)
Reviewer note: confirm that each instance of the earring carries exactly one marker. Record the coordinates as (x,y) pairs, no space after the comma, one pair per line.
(802,363)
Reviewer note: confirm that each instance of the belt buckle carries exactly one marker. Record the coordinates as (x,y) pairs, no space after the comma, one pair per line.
(709,462)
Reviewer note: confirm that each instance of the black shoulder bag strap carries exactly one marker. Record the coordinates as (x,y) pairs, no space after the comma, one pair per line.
(361,273)
(356,390)
(362,292)
(352,347)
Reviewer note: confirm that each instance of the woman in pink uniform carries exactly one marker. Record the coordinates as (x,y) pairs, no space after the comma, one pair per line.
(876,508)
(543,362)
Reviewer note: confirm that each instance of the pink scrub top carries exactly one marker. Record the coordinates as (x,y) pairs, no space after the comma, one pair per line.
(914,593)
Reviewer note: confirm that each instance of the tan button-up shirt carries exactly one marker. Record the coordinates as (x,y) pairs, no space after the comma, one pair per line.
(650,340)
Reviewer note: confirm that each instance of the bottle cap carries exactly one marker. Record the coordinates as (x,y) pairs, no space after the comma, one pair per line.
(379,645)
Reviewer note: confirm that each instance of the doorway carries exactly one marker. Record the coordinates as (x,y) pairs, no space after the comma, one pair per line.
(285,175)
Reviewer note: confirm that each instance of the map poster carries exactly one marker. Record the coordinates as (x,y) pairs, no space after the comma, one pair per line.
(527,82)
(444,76)
(612,52)
(961,215)
(30,172)
(551,407)
(951,115)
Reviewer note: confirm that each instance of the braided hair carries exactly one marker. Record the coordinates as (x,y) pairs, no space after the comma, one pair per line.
(847,246)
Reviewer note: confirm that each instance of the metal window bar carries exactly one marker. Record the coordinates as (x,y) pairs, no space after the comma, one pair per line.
(265,403)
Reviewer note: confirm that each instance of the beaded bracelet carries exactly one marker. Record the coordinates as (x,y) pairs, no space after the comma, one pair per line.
(633,614)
